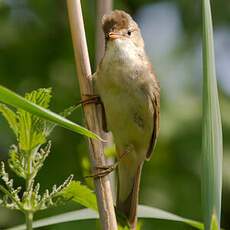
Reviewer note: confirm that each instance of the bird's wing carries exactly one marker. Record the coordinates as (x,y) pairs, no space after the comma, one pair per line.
(155,99)
(103,117)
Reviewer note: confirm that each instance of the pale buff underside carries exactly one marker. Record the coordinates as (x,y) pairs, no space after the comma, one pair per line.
(124,83)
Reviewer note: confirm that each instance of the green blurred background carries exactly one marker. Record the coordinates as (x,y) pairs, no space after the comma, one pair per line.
(36,51)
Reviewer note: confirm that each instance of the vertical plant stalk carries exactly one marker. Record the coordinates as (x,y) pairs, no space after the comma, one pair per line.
(212,146)
(29,215)
(103,189)
(103,7)
(29,220)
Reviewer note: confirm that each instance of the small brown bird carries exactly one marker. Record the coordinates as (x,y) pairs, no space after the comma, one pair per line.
(130,94)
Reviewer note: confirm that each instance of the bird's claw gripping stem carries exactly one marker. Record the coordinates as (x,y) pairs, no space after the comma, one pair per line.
(90,99)
(104,170)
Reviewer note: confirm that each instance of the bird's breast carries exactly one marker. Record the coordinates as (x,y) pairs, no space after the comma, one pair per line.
(121,67)
(120,82)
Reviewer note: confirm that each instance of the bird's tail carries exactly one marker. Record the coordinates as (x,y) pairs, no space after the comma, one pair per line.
(128,192)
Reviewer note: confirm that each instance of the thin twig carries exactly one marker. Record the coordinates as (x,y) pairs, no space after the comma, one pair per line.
(103,189)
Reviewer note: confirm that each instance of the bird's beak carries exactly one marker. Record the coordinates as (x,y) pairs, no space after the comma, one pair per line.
(114,35)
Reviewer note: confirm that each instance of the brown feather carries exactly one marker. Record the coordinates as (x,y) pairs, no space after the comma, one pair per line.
(155,98)
(129,206)
(104,122)
(129,170)
(117,20)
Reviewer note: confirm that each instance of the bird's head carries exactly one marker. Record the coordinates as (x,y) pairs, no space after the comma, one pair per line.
(119,25)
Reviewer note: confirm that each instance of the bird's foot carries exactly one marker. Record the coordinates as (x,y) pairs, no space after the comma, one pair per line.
(102,171)
(90,99)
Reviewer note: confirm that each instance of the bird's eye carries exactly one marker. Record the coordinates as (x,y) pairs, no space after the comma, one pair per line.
(129,32)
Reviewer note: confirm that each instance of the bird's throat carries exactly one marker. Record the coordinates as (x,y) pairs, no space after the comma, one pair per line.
(121,52)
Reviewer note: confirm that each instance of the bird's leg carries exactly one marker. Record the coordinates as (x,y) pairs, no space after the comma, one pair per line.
(90,99)
(104,170)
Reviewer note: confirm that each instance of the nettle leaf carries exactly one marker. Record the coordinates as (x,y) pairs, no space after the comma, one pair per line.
(80,194)
(13,99)
(11,195)
(32,128)
(40,97)
(17,162)
(11,117)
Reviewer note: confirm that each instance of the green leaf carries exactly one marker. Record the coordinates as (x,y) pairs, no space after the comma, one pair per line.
(40,97)
(11,117)
(80,194)
(31,127)
(17,161)
(214,223)
(138,227)
(67,112)
(11,98)
(110,151)
(84,214)
(155,213)
(212,146)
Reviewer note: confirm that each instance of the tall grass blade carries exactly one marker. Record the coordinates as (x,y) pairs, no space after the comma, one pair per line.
(155,213)
(84,214)
(13,99)
(212,147)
